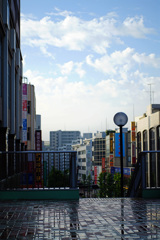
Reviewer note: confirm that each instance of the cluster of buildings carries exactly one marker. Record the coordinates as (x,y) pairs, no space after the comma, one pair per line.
(18,120)
(17,97)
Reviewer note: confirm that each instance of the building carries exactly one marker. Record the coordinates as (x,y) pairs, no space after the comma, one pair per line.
(61,138)
(84,158)
(10,77)
(29,116)
(38,122)
(113,162)
(148,138)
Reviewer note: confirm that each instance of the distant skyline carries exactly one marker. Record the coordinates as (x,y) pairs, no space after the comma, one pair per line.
(90,59)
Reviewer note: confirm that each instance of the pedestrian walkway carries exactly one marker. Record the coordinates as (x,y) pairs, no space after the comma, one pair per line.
(88,218)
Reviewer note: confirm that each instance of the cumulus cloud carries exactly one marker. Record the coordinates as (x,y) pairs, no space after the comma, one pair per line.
(73,33)
(121,62)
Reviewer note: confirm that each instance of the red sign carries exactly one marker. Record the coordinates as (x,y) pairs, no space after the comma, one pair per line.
(38,147)
(95,174)
(103,165)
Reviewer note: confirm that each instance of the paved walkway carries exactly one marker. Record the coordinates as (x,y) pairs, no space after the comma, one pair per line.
(84,219)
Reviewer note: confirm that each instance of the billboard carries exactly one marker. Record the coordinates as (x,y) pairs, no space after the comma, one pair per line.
(103,165)
(117,144)
(24,113)
(38,147)
(133,143)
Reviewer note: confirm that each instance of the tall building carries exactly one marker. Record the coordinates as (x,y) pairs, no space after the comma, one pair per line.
(61,138)
(38,122)
(10,76)
(84,158)
(148,138)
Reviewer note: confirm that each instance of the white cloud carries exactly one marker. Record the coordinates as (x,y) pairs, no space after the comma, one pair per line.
(74,33)
(77,105)
(70,66)
(121,62)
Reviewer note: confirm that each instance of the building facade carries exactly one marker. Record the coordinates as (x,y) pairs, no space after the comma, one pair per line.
(84,158)
(61,138)
(10,76)
(148,138)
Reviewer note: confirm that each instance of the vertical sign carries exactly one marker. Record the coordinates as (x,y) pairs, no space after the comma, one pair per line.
(38,147)
(24,113)
(111,143)
(117,144)
(133,143)
(103,165)
(111,160)
(95,174)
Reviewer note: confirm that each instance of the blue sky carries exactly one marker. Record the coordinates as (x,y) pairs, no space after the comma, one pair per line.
(90,59)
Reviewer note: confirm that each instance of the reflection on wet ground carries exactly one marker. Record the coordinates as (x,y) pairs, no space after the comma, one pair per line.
(89,218)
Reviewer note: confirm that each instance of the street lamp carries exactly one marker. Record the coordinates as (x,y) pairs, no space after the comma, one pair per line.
(120,119)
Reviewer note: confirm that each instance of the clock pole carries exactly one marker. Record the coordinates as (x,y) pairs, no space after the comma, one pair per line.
(120,119)
(121,152)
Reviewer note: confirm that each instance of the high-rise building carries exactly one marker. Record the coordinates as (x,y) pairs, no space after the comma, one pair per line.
(62,138)
(10,76)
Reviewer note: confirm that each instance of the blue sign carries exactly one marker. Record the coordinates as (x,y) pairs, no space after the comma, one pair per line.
(126,171)
(24,124)
(117,144)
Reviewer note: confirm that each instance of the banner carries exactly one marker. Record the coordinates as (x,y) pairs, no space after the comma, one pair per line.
(117,144)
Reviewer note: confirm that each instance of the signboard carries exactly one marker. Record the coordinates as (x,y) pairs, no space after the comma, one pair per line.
(111,143)
(117,144)
(111,160)
(24,113)
(103,165)
(133,143)
(95,174)
(38,147)
(126,171)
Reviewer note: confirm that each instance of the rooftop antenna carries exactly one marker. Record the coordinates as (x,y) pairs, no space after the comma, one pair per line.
(150,84)
(133,113)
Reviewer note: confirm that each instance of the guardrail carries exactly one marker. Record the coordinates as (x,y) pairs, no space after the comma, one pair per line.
(147,173)
(38,170)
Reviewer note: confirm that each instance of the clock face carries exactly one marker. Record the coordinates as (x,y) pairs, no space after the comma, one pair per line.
(120,119)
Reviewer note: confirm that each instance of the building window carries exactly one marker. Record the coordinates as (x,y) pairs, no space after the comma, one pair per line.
(28,134)
(158,154)
(145,143)
(138,142)
(152,158)
(9,85)
(29,107)
(0,66)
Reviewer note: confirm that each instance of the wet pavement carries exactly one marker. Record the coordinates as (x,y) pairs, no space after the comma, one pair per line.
(88,218)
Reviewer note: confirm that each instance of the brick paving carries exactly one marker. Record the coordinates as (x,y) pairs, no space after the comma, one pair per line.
(88,218)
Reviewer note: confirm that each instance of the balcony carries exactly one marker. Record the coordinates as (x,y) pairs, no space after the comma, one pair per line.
(38,175)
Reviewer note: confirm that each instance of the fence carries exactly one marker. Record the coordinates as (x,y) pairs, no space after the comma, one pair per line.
(38,170)
(147,173)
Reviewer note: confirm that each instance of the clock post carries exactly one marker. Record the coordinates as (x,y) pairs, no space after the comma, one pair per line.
(120,119)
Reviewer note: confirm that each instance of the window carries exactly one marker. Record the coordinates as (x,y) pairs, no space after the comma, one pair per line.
(29,107)
(9,85)
(152,158)
(158,156)
(0,66)
(28,133)
(138,142)
(145,147)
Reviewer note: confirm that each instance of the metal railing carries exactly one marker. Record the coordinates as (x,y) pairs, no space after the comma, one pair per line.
(38,169)
(146,174)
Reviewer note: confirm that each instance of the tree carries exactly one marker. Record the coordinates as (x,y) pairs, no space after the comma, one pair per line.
(58,178)
(117,185)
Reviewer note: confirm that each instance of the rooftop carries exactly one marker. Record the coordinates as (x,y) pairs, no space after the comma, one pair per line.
(89,218)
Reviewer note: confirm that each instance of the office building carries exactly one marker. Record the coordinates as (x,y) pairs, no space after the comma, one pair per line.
(61,138)
(10,77)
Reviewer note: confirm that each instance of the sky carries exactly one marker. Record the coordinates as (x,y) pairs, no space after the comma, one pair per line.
(89,59)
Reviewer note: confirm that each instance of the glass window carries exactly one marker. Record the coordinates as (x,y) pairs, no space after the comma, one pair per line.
(152,158)
(138,142)
(145,147)
(158,156)
(0,66)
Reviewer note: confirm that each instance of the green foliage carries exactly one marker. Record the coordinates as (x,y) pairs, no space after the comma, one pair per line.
(110,186)
(58,178)
(117,185)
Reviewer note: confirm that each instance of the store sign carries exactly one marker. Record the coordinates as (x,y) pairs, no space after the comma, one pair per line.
(24,113)
(117,144)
